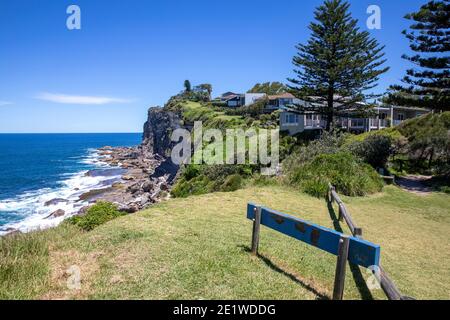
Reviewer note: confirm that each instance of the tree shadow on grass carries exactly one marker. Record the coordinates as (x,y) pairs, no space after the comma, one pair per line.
(356,271)
(274,267)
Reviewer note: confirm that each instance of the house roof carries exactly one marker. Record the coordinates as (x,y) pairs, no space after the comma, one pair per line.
(232,96)
(226,94)
(285,95)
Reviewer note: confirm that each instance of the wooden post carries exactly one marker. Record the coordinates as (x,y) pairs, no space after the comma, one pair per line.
(340,217)
(255,233)
(339,279)
(332,196)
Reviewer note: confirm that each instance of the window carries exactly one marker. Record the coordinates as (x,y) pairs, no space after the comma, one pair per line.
(400,117)
(291,118)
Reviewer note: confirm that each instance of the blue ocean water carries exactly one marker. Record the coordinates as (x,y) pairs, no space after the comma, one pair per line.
(35,168)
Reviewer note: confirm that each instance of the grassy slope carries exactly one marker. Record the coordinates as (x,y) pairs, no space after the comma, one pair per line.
(198,248)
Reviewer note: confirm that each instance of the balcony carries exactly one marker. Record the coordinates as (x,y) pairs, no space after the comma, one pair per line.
(378,123)
(315,123)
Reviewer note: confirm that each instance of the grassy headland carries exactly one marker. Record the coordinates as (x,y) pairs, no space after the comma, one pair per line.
(197,248)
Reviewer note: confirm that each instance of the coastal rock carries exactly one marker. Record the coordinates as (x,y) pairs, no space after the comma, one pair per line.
(134,188)
(147,186)
(128,177)
(83,211)
(56,214)
(128,208)
(164,186)
(93,194)
(55,201)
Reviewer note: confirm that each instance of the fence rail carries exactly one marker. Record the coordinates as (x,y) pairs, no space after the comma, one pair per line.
(386,283)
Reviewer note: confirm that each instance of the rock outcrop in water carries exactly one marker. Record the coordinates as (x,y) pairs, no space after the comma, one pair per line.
(149,171)
(146,171)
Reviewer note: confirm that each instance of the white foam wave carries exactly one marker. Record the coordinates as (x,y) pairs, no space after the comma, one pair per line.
(72,186)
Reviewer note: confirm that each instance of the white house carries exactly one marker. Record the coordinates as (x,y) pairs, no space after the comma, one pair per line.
(281,101)
(385,116)
(251,98)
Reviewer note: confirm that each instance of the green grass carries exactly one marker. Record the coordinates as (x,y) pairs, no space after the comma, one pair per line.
(197,248)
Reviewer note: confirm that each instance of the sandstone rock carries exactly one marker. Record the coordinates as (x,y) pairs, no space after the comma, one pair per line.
(93,194)
(128,208)
(128,177)
(56,214)
(118,185)
(147,186)
(164,186)
(83,211)
(55,201)
(134,188)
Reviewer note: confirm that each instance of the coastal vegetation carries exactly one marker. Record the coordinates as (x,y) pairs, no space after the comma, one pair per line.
(427,84)
(197,248)
(349,175)
(97,214)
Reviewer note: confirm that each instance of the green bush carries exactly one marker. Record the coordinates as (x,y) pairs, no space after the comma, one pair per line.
(263,181)
(348,174)
(98,214)
(201,179)
(328,143)
(195,186)
(232,183)
(374,150)
(428,143)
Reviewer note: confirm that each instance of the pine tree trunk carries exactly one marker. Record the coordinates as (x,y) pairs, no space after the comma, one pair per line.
(330,113)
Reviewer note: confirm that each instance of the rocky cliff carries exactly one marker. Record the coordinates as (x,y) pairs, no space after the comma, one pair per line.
(157,131)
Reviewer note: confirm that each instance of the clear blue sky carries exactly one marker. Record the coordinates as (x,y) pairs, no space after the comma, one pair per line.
(130,55)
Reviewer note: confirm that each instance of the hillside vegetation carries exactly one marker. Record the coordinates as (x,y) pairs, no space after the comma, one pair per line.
(198,248)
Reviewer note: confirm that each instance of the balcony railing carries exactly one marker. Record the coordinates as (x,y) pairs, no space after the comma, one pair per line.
(379,123)
(316,123)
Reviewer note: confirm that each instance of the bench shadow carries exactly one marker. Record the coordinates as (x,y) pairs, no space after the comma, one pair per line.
(274,267)
(356,271)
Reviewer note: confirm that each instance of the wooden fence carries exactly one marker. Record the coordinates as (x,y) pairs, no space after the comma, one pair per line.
(386,283)
(346,248)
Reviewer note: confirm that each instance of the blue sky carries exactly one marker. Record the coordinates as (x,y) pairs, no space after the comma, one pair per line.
(130,55)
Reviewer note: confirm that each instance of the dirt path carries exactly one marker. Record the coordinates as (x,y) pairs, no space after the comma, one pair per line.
(414,184)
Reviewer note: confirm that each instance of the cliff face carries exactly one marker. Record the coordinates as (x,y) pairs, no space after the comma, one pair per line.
(157,143)
(157,131)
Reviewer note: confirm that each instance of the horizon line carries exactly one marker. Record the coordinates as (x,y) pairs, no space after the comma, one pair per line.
(116,132)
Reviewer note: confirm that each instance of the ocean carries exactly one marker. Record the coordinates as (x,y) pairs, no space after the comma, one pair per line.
(37,168)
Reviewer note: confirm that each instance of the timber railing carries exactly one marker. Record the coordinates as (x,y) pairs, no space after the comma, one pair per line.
(386,283)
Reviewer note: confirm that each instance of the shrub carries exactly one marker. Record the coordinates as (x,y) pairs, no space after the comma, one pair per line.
(348,174)
(429,142)
(374,150)
(262,181)
(232,183)
(253,110)
(201,179)
(328,143)
(98,214)
(195,186)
